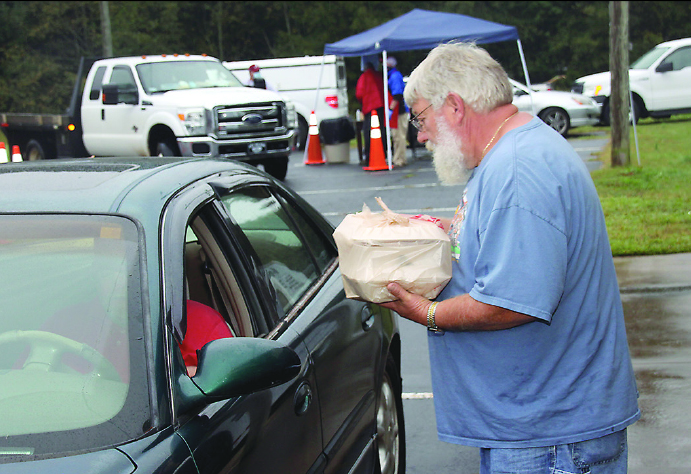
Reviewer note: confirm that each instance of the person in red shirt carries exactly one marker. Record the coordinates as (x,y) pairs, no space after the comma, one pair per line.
(204,324)
(369,91)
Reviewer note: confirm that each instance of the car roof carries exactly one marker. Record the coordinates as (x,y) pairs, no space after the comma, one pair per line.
(676,42)
(101,185)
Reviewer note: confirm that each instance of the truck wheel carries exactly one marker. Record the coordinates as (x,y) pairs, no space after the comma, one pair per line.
(165,149)
(302,131)
(277,167)
(606,119)
(34,151)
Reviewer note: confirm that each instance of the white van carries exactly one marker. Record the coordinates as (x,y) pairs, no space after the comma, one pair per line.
(297,79)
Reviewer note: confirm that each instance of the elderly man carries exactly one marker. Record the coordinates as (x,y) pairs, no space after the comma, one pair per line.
(527,343)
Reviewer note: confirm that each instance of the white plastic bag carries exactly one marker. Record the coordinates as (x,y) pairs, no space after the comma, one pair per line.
(377,248)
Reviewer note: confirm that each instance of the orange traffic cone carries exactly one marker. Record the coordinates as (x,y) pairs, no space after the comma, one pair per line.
(16,156)
(377,161)
(4,156)
(314,147)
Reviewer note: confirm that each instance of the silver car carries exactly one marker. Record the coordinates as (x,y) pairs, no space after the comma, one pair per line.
(560,110)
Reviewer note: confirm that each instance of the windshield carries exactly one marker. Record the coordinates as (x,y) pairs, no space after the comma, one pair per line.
(645,61)
(176,75)
(72,357)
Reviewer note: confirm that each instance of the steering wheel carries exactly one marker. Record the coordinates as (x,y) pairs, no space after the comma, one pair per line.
(46,350)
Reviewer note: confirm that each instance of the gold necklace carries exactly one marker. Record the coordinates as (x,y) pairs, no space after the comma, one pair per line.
(495,133)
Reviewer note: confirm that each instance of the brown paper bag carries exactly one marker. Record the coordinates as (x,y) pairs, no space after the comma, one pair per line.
(377,248)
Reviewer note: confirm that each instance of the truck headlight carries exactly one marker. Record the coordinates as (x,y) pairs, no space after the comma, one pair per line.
(291,115)
(194,121)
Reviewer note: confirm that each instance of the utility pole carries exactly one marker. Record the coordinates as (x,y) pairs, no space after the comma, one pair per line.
(619,68)
(105,30)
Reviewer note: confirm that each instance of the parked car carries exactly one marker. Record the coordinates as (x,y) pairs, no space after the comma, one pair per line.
(562,111)
(184,315)
(659,82)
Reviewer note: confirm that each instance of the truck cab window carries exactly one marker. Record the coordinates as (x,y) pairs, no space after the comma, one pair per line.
(127,88)
(95,93)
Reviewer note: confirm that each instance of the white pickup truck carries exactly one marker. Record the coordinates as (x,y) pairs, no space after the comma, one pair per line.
(170,105)
(660,82)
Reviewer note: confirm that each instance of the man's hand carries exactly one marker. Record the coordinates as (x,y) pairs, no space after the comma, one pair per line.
(408,305)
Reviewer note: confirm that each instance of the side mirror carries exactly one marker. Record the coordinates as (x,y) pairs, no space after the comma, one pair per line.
(237,366)
(110,94)
(664,67)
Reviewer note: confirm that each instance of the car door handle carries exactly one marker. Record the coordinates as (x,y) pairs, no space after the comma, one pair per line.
(367,317)
(303,398)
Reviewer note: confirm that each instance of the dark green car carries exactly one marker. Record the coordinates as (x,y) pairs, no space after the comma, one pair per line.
(184,316)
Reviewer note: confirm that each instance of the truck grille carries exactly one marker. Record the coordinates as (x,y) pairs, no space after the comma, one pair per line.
(255,120)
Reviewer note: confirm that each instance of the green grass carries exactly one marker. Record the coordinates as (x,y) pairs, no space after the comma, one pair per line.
(648,207)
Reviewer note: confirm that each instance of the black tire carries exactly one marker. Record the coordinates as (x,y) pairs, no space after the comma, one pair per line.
(302,131)
(277,167)
(556,118)
(164,149)
(390,423)
(34,151)
(606,119)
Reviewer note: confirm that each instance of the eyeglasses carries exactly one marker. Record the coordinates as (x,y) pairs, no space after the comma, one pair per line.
(417,123)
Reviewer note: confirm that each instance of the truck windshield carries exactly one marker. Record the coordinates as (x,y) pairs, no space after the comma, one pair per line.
(176,75)
(645,61)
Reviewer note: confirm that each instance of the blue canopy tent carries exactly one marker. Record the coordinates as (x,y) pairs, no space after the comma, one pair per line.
(423,29)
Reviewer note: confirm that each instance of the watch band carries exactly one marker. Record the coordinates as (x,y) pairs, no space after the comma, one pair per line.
(431,323)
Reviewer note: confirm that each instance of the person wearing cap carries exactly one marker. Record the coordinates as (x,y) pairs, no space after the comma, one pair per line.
(399,125)
(256,79)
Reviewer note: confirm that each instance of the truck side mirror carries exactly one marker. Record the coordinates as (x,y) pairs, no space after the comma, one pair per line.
(664,67)
(110,94)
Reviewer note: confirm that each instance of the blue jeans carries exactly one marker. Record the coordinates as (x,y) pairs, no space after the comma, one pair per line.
(606,455)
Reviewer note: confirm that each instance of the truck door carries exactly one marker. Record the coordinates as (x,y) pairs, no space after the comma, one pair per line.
(118,130)
(671,88)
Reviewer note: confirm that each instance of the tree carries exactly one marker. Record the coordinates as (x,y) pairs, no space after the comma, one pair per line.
(619,67)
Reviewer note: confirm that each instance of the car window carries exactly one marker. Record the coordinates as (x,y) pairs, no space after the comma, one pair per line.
(71,334)
(210,280)
(645,61)
(277,241)
(679,59)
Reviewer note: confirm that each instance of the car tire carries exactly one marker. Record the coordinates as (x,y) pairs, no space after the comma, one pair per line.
(277,167)
(556,118)
(34,151)
(390,424)
(606,119)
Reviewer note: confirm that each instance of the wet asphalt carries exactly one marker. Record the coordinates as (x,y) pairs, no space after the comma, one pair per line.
(655,291)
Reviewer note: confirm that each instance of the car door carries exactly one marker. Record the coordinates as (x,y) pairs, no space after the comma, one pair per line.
(671,88)
(298,259)
(272,430)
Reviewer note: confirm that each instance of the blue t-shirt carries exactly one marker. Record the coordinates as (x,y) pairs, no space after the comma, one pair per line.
(530,237)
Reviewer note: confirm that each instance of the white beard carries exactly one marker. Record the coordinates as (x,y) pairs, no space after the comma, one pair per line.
(449,160)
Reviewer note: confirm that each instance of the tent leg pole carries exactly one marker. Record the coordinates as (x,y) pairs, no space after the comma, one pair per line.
(385,119)
(527,77)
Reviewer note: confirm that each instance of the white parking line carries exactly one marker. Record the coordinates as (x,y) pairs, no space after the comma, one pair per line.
(417,396)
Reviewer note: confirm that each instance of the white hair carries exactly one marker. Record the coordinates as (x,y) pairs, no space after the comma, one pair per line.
(462,68)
